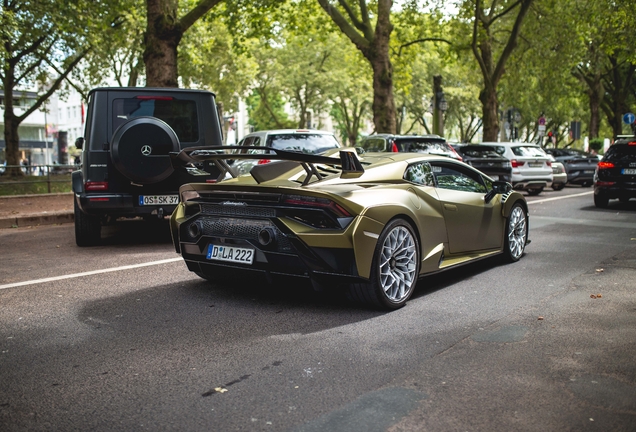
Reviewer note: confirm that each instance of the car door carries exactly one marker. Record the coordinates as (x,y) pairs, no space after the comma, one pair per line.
(471,223)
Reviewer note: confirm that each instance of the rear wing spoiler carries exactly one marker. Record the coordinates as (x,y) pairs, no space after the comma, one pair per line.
(348,161)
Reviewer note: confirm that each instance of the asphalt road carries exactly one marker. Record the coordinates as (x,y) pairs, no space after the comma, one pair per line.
(123,337)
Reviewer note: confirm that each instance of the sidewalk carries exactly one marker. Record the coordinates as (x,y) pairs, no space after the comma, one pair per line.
(18,211)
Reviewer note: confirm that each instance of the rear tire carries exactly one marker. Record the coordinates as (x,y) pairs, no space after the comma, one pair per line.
(394,270)
(558,186)
(88,228)
(533,192)
(601,201)
(516,236)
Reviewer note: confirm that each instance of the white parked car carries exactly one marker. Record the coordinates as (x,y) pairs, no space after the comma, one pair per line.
(308,141)
(531,166)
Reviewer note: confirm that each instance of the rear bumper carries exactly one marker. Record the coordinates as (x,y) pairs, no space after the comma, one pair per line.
(615,191)
(119,205)
(581,177)
(531,184)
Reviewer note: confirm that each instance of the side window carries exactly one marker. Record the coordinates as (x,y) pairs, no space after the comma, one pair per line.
(420,173)
(243,143)
(458,178)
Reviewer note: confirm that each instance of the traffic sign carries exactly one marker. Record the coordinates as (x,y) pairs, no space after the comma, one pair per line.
(629,118)
(541,121)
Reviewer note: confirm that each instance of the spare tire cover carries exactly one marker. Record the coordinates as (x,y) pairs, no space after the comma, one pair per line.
(140,149)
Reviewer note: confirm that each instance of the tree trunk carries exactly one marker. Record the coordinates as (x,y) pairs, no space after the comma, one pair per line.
(595,95)
(161,40)
(11,139)
(383,102)
(490,113)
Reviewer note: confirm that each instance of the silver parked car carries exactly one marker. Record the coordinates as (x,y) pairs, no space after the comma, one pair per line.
(531,166)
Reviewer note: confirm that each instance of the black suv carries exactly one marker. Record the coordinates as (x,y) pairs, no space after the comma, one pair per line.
(615,175)
(126,169)
(433,144)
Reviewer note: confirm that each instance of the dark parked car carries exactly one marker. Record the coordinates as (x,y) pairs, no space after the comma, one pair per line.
(615,176)
(126,169)
(430,144)
(486,160)
(579,165)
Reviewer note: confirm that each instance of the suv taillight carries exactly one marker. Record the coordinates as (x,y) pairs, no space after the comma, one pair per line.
(605,165)
(549,163)
(516,164)
(96,186)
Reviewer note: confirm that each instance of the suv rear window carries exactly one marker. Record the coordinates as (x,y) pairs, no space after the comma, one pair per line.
(180,114)
(418,146)
(528,151)
(479,151)
(621,153)
(305,143)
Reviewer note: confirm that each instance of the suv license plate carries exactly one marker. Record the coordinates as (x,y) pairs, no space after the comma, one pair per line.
(629,171)
(231,254)
(145,200)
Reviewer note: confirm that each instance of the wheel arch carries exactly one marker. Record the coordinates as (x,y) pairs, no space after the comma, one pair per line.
(370,228)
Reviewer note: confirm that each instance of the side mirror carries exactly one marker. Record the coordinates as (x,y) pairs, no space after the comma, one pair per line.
(498,188)
(79,143)
(359,150)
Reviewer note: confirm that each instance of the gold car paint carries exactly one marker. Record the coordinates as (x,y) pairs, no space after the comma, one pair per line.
(513,198)
(470,224)
(360,197)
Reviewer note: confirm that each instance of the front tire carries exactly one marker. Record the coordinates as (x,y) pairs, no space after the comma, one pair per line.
(88,229)
(516,233)
(394,270)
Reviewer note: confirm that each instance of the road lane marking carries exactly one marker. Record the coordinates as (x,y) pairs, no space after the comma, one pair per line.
(89,273)
(548,220)
(559,198)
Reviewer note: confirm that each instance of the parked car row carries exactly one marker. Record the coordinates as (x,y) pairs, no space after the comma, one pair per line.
(526,166)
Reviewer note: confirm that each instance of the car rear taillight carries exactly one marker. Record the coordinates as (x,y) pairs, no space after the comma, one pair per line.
(516,164)
(549,163)
(394,147)
(321,213)
(263,161)
(95,186)
(605,165)
(323,203)
(632,143)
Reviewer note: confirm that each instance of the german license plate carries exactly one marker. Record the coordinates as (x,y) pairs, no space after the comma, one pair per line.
(494,177)
(535,164)
(145,200)
(588,172)
(629,171)
(231,254)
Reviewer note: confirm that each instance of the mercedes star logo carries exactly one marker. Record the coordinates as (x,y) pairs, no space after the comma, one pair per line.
(146,150)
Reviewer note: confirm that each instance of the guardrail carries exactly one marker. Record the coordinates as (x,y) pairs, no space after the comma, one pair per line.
(47,173)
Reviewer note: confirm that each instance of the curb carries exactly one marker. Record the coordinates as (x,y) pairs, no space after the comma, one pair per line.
(53,218)
(36,195)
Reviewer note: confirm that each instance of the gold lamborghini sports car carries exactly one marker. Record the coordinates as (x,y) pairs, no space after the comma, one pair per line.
(372,224)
